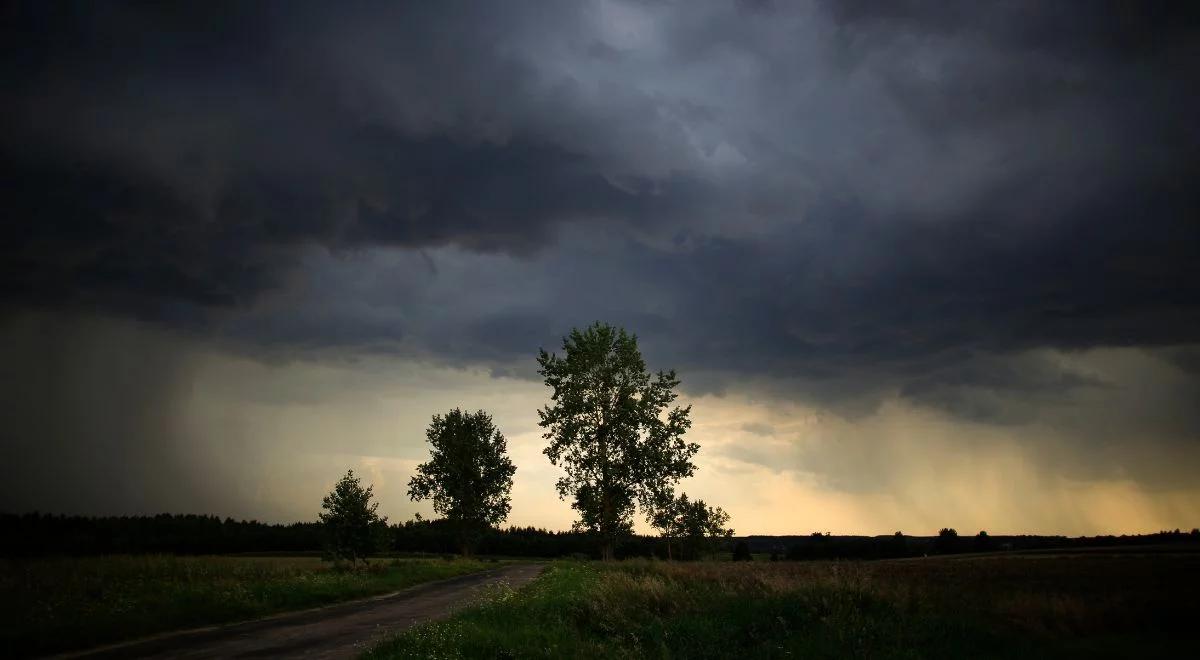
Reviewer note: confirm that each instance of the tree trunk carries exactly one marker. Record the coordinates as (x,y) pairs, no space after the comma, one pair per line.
(608,552)
(607,524)
(464,543)
(607,529)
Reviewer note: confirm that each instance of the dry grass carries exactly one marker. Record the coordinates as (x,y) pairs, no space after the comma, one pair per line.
(1093,606)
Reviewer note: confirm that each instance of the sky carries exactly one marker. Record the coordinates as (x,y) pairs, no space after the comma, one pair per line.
(917,265)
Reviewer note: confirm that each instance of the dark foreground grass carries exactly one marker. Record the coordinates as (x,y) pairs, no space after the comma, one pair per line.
(58,604)
(938,608)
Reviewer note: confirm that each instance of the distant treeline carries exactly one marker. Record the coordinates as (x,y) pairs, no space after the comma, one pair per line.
(39,534)
(32,535)
(826,546)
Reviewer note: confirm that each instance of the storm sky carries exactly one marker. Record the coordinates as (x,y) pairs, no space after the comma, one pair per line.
(918,264)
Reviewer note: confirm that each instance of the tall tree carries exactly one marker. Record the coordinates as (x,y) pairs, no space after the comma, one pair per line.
(352,526)
(468,475)
(610,429)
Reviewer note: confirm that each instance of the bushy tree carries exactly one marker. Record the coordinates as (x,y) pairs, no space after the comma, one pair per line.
(703,527)
(983,542)
(468,475)
(611,428)
(352,527)
(665,515)
(694,524)
(946,541)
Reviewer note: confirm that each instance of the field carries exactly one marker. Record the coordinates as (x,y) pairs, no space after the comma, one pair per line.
(1085,605)
(55,604)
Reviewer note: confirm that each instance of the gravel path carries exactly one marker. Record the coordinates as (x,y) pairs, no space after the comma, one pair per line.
(336,631)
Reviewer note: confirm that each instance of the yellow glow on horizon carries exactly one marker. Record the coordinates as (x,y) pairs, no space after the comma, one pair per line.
(251,439)
(777,467)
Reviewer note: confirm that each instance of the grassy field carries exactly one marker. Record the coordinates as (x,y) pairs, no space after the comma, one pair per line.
(1027,607)
(56,604)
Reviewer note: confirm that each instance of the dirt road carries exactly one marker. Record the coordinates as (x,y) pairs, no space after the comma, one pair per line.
(337,631)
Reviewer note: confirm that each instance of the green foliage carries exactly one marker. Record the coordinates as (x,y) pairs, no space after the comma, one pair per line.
(695,525)
(703,526)
(468,475)
(352,526)
(539,620)
(612,430)
(49,605)
(1019,608)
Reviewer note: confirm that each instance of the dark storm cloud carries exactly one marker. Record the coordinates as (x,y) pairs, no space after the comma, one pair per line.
(167,161)
(1185,358)
(856,196)
(1105,29)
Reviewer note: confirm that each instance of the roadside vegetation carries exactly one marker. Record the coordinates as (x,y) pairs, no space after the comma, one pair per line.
(1080,606)
(51,605)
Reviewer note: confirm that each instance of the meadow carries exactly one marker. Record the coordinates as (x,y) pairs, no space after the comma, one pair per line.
(1118,605)
(51,605)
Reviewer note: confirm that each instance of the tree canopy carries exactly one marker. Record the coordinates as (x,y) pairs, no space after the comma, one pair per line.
(468,475)
(947,540)
(694,525)
(352,526)
(612,429)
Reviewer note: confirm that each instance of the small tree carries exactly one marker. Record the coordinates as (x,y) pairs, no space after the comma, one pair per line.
(696,525)
(468,475)
(352,526)
(983,542)
(700,526)
(946,541)
(741,552)
(611,428)
(666,515)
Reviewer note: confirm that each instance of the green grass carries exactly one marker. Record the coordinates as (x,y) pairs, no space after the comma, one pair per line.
(56,604)
(936,608)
